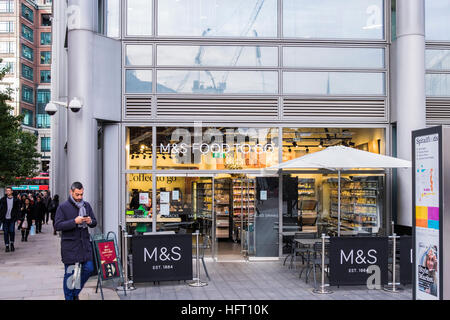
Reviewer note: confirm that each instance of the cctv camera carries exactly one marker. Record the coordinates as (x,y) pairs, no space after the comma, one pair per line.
(75,105)
(51,109)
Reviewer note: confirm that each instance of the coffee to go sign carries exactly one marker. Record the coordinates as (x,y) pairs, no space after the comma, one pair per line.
(352,260)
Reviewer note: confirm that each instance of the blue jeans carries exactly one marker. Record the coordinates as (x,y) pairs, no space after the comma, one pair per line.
(8,230)
(86,270)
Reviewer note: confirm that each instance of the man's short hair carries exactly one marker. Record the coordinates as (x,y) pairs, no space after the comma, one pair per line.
(8,188)
(76,185)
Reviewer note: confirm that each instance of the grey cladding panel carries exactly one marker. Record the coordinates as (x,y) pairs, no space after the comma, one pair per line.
(218,108)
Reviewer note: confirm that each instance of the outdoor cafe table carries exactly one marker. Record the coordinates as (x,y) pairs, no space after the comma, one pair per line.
(309,243)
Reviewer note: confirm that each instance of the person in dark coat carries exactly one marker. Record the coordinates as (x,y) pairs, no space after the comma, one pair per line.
(52,207)
(39,213)
(73,217)
(26,214)
(9,212)
(46,199)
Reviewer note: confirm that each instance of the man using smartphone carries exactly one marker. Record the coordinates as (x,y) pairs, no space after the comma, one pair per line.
(72,218)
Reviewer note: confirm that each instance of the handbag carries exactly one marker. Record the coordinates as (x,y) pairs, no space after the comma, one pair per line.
(33,230)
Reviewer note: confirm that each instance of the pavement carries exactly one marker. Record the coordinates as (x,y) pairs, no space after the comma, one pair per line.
(34,271)
(256,280)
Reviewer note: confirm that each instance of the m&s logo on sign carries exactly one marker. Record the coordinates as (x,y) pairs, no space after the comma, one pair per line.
(359,257)
(163,254)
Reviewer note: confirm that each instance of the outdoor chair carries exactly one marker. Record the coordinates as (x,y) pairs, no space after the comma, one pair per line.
(298,250)
(317,260)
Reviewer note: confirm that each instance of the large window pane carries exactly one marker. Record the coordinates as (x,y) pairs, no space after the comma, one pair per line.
(139,203)
(139,148)
(217,82)
(437,59)
(113,18)
(46,76)
(46,57)
(27,13)
(437,84)
(334,83)
(314,57)
(227,56)
(333,19)
(138,81)
(27,117)
(45,144)
(27,72)
(437,23)
(139,17)
(27,33)
(27,94)
(27,52)
(219,18)
(209,148)
(46,38)
(138,55)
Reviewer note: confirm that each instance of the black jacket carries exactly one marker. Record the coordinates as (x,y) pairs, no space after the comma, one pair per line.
(39,210)
(52,207)
(15,212)
(75,241)
(26,214)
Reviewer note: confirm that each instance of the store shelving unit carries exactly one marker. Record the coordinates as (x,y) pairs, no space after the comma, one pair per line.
(203,199)
(244,192)
(307,204)
(223,200)
(361,204)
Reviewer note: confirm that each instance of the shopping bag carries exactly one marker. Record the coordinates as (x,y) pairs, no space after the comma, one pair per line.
(25,224)
(33,230)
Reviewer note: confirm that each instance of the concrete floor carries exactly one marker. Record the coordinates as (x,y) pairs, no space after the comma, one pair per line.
(267,280)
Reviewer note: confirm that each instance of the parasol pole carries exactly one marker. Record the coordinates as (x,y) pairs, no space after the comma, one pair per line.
(339,202)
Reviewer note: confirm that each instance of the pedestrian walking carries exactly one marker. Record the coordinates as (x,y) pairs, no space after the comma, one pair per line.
(26,219)
(73,217)
(46,200)
(9,212)
(52,207)
(38,213)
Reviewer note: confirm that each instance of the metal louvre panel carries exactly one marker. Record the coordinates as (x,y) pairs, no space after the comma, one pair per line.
(138,107)
(219,108)
(438,111)
(338,109)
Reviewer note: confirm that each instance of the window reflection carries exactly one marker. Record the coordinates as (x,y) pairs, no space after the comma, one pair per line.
(138,81)
(225,18)
(437,59)
(334,83)
(437,84)
(227,56)
(315,57)
(138,55)
(139,17)
(338,19)
(217,82)
(437,23)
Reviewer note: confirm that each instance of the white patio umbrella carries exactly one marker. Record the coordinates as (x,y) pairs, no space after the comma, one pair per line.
(340,158)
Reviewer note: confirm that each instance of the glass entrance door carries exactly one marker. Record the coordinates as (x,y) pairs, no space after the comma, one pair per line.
(246,212)
(184,205)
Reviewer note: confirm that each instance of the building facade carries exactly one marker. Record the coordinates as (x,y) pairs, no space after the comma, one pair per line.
(25,40)
(186,106)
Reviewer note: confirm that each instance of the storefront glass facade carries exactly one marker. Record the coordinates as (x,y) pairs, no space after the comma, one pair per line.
(219,180)
(217,93)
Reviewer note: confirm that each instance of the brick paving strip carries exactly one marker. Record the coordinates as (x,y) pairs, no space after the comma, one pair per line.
(34,271)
